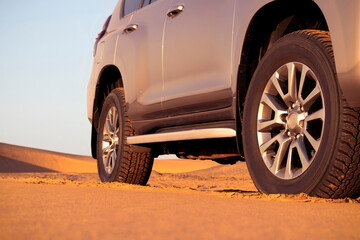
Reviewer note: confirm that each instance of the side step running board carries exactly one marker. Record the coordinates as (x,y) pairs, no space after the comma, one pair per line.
(183,135)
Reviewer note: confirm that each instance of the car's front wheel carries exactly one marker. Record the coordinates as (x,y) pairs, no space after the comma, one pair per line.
(117,160)
(299,134)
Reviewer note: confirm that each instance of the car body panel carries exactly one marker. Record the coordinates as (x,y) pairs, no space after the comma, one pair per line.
(197,57)
(343,20)
(163,80)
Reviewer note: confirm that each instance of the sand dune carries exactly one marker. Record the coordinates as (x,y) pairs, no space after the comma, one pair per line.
(184,199)
(23,159)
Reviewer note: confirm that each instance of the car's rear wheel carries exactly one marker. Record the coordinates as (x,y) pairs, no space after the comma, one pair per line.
(117,160)
(299,134)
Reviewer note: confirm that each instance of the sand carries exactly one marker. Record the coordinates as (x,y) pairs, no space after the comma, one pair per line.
(45,195)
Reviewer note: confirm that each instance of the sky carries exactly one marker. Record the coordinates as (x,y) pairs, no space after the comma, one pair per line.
(45,63)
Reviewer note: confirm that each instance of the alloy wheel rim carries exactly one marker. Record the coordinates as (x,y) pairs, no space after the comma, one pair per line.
(290,121)
(110,142)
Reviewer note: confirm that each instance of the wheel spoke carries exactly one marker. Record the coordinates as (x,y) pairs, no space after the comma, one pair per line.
(114,119)
(269,125)
(275,81)
(106,128)
(313,95)
(283,147)
(282,140)
(117,132)
(292,96)
(266,125)
(310,99)
(109,126)
(107,158)
(288,168)
(320,114)
(299,146)
(304,71)
(272,103)
(265,146)
(314,143)
(304,159)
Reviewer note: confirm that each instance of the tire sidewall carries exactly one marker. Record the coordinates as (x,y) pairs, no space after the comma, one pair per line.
(111,101)
(293,48)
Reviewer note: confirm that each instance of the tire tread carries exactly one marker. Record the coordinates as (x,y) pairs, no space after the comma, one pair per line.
(346,166)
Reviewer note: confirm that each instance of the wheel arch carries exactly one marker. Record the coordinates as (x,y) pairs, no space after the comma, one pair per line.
(109,79)
(271,22)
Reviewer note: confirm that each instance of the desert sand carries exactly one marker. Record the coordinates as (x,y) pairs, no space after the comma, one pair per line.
(49,195)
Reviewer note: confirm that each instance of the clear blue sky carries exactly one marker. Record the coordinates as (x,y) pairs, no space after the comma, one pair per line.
(45,63)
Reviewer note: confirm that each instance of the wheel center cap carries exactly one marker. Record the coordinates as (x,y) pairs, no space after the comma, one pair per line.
(292,121)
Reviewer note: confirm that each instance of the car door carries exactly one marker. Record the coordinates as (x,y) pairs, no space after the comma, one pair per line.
(140,49)
(197,56)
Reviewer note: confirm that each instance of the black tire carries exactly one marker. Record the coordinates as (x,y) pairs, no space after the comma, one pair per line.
(126,164)
(315,149)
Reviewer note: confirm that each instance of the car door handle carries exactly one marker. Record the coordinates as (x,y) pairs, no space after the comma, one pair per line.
(130,28)
(173,13)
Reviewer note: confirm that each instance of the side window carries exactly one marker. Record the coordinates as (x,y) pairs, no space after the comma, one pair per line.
(147,2)
(131,6)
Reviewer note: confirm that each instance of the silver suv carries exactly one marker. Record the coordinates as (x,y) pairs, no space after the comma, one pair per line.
(274,83)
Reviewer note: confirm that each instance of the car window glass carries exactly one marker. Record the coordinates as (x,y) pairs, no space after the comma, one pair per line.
(131,6)
(146,2)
